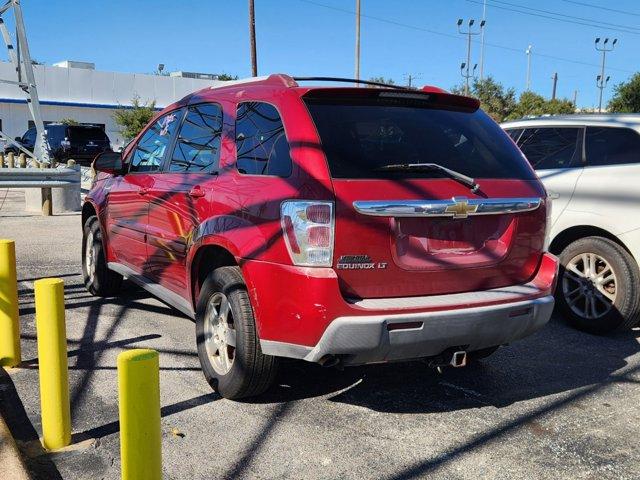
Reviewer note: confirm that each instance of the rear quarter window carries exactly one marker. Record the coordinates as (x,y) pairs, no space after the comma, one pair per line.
(261,143)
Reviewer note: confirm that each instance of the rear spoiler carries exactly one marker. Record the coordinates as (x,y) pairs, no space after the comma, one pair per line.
(428,97)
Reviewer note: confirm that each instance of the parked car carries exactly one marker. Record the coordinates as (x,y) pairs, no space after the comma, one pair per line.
(590,164)
(337,225)
(80,142)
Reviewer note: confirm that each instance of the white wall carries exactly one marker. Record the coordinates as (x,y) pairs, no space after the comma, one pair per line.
(87,88)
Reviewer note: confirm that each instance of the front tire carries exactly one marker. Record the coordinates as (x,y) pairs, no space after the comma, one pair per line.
(228,345)
(598,286)
(98,279)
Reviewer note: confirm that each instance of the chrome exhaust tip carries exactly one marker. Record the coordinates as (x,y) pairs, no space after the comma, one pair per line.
(459,359)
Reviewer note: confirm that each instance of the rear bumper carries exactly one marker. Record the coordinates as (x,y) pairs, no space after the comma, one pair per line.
(380,338)
(300,313)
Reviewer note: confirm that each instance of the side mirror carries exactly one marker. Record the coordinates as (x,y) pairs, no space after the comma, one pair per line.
(108,162)
(18,139)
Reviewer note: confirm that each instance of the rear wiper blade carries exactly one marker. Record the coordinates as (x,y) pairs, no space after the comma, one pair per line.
(464,179)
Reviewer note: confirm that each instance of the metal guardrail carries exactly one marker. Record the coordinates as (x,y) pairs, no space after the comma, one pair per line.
(39,177)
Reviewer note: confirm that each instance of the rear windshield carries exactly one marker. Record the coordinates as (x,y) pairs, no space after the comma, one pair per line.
(360,137)
(86,134)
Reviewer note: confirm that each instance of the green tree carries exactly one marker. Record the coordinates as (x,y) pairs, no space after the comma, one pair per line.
(132,120)
(626,96)
(225,77)
(533,104)
(497,101)
(69,121)
(388,81)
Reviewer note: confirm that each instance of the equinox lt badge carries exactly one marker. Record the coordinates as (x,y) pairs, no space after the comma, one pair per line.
(358,262)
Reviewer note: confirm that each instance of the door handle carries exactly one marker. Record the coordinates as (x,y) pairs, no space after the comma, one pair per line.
(196,192)
(143,191)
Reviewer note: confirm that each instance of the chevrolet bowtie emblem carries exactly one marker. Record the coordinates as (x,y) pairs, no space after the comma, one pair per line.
(461,208)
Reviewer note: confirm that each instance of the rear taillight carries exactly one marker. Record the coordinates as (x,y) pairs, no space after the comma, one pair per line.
(308,228)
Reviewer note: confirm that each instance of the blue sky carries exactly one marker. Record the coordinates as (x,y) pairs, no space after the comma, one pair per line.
(316,37)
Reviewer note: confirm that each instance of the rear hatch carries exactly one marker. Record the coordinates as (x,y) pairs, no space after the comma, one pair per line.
(413,230)
(88,140)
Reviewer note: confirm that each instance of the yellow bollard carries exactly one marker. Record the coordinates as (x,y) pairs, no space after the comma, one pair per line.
(10,160)
(139,405)
(52,363)
(22,160)
(9,325)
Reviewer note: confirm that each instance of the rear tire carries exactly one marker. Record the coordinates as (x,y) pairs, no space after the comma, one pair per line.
(228,344)
(98,279)
(598,286)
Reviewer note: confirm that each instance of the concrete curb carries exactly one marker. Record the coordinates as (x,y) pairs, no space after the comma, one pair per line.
(11,465)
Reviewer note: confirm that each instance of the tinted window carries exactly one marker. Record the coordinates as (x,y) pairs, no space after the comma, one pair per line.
(87,134)
(55,135)
(261,144)
(551,147)
(149,152)
(514,133)
(366,134)
(198,146)
(29,137)
(612,146)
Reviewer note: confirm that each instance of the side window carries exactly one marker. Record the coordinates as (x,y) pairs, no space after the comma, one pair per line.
(261,145)
(198,146)
(551,147)
(149,152)
(29,137)
(514,133)
(612,146)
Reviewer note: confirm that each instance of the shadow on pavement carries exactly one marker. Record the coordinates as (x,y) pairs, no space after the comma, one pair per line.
(557,359)
(40,466)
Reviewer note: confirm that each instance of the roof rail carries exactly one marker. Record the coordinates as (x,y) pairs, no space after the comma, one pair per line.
(273,79)
(350,80)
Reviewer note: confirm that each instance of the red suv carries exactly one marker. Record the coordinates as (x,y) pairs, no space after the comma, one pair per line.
(335,225)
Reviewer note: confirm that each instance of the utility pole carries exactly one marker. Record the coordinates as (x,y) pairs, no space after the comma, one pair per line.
(482,24)
(252,36)
(465,67)
(601,80)
(575,99)
(554,77)
(528,52)
(409,78)
(357,67)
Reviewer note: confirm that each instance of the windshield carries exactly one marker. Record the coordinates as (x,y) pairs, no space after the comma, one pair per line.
(360,138)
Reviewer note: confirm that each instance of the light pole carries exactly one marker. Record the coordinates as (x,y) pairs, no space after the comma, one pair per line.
(464,71)
(482,24)
(601,80)
(357,68)
(469,33)
(528,52)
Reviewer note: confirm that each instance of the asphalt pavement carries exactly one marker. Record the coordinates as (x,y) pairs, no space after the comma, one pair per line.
(559,404)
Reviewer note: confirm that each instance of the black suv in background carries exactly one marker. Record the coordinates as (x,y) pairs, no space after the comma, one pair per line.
(80,142)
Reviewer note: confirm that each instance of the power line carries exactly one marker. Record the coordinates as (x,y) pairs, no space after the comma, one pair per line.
(540,15)
(595,21)
(584,4)
(457,38)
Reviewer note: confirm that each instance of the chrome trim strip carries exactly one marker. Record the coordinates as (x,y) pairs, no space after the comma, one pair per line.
(457,207)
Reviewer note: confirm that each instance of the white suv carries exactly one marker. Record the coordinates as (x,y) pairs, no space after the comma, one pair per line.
(590,165)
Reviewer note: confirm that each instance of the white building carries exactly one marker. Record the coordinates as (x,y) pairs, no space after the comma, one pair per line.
(76,90)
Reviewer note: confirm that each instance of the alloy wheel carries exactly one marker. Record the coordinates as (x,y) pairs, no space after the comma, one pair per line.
(220,334)
(589,285)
